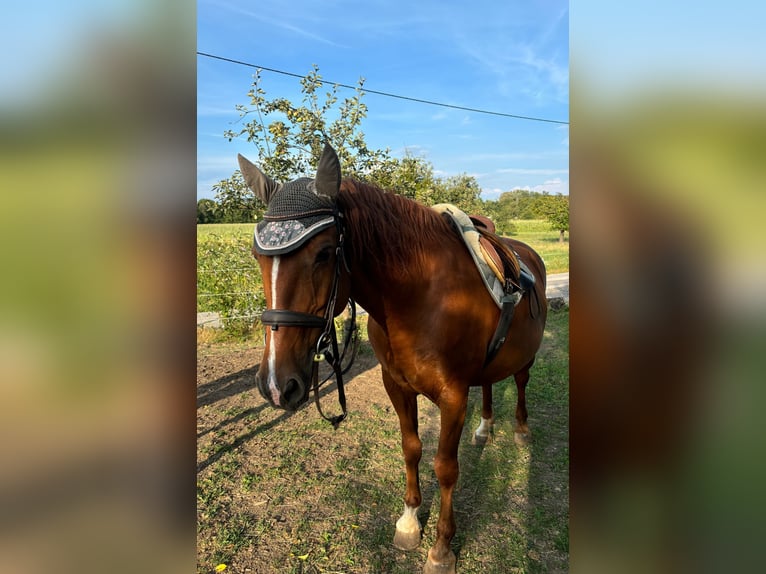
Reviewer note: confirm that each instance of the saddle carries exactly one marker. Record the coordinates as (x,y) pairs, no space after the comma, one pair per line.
(501,259)
(501,269)
(506,277)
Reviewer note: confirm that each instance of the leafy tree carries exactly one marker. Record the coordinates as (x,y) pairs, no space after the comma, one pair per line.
(555,208)
(491,208)
(463,191)
(291,143)
(518,204)
(289,139)
(409,176)
(236,202)
(414,177)
(206,211)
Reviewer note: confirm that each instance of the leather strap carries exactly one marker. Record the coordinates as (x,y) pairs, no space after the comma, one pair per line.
(275,318)
(503,325)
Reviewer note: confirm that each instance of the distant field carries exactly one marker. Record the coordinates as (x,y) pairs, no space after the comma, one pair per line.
(238,230)
(537,234)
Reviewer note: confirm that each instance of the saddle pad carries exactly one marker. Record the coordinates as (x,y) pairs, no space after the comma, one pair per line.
(492,280)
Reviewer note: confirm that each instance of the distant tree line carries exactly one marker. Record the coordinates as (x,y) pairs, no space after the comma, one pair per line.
(290,144)
(525,204)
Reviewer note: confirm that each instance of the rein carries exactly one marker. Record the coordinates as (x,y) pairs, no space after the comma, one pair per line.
(327,344)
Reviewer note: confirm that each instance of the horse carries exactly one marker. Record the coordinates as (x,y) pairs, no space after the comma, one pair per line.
(326,241)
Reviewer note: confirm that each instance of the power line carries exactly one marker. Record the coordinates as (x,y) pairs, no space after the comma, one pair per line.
(387,94)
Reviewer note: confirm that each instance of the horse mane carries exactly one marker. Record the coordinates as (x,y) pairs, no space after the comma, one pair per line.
(397,232)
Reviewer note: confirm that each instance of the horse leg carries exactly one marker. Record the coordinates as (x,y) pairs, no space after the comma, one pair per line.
(522,433)
(484,431)
(405,403)
(441,559)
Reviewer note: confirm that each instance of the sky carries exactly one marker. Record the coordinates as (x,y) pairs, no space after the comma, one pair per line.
(507,57)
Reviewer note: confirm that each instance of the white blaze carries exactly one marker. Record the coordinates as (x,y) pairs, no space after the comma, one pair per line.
(272,380)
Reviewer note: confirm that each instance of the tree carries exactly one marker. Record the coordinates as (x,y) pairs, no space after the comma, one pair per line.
(236,203)
(555,208)
(409,176)
(463,191)
(518,204)
(291,143)
(515,204)
(206,211)
(414,177)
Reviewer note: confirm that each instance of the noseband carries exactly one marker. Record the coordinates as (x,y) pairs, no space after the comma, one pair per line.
(327,344)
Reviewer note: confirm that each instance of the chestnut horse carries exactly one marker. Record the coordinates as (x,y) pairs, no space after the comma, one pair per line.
(326,240)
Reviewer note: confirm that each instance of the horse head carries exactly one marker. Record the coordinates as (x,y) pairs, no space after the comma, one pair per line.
(299,248)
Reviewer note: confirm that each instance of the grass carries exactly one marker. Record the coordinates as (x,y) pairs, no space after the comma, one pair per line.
(228,278)
(280,493)
(537,234)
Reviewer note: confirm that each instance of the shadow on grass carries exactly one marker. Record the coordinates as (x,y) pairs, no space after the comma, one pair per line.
(244,380)
(479,502)
(226,386)
(511,502)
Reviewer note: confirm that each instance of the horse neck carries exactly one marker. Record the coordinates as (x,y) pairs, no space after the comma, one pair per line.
(392,242)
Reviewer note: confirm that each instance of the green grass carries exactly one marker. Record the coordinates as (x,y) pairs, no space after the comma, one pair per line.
(242,231)
(228,277)
(537,234)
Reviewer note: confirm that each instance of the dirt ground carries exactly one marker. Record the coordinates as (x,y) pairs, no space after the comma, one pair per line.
(284,492)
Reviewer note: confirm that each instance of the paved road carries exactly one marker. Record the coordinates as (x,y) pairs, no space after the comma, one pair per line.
(557,286)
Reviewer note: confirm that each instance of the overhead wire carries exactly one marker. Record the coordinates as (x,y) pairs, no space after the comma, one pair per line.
(386,94)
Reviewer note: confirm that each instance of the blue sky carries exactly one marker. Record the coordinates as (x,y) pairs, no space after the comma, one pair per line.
(510,57)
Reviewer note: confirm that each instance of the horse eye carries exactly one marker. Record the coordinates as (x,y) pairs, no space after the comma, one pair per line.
(324,255)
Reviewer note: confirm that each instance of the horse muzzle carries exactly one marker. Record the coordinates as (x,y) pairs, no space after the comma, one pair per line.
(289,393)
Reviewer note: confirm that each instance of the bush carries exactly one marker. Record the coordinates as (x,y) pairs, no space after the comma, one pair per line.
(228,278)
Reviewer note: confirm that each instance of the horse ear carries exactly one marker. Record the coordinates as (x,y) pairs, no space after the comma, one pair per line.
(263,187)
(327,180)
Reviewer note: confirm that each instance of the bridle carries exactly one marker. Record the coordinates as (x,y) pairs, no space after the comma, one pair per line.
(327,344)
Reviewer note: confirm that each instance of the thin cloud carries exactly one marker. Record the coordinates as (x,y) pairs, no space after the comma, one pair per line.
(513,156)
(208,111)
(526,171)
(555,185)
(280,23)
(492,194)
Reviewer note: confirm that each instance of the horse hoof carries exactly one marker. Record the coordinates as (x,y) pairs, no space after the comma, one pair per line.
(446,566)
(407,540)
(521,438)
